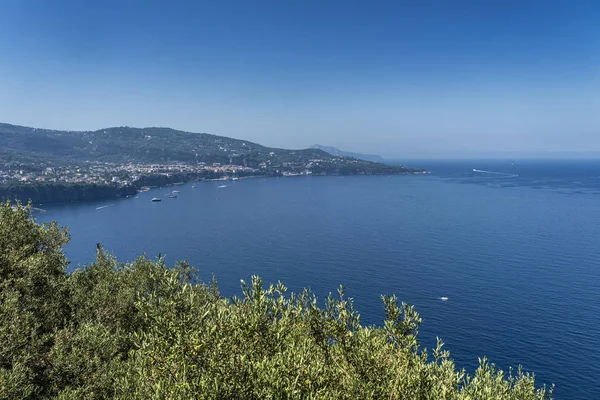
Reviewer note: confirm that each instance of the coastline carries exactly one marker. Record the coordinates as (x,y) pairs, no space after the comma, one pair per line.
(50,193)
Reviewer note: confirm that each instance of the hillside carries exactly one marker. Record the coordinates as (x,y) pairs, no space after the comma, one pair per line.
(144,145)
(154,145)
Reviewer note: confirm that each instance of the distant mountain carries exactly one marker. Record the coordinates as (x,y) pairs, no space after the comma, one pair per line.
(121,145)
(340,153)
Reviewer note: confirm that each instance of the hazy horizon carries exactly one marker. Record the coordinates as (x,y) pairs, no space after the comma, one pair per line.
(399,80)
(414,156)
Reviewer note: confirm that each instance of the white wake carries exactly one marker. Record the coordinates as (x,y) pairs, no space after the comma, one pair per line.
(498,174)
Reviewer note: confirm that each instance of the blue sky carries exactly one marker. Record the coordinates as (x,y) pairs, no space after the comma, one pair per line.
(395,78)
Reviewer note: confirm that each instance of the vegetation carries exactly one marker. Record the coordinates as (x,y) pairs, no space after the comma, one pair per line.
(39,192)
(155,145)
(142,330)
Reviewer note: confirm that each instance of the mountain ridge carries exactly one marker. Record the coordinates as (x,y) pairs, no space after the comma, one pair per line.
(334,151)
(161,145)
(125,144)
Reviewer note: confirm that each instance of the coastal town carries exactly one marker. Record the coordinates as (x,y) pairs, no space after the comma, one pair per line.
(110,174)
(97,173)
(56,166)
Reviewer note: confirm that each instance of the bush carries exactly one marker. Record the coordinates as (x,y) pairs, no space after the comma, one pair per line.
(143,330)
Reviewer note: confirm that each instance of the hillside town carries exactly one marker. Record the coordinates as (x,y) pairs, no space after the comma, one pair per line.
(123,175)
(101,173)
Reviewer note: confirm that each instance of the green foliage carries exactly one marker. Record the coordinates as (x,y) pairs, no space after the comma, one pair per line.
(147,145)
(40,192)
(33,299)
(143,330)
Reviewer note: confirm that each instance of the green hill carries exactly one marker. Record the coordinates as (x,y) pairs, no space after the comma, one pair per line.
(126,144)
(161,145)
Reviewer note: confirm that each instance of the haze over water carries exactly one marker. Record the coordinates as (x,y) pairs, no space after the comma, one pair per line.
(515,249)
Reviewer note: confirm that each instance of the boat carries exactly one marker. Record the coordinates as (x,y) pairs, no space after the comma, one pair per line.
(175,191)
(155,199)
(443,298)
(221,187)
(193,186)
(172,196)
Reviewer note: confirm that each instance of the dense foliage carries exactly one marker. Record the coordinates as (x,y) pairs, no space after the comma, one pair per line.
(143,330)
(41,192)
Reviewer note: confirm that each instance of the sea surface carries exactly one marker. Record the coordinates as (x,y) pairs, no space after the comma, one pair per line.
(514,245)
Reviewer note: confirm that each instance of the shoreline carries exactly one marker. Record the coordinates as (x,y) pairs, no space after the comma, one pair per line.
(109,192)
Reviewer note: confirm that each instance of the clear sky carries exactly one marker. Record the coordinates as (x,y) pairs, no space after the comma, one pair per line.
(394,78)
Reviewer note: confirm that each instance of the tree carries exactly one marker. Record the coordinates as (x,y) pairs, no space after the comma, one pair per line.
(33,302)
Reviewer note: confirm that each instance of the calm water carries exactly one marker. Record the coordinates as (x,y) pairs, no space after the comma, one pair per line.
(514,248)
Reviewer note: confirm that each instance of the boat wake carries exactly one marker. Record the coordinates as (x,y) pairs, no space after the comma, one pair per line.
(497,174)
(101,207)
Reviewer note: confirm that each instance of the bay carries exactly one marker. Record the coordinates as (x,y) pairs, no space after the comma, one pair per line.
(513,245)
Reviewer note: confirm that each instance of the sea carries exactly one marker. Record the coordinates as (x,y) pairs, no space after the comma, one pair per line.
(514,246)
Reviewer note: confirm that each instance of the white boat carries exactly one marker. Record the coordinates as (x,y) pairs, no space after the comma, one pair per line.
(175,191)
(443,298)
(155,199)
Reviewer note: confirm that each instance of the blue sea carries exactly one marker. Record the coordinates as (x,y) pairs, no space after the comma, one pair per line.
(513,244)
